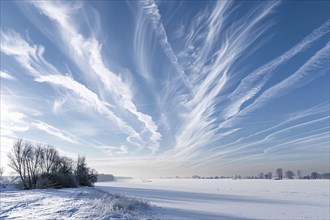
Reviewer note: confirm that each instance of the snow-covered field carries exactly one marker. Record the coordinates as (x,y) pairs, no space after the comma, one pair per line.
(173,199)
(229,199)
(76,203)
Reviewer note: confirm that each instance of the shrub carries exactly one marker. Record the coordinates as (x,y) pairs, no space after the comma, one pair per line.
(56,180)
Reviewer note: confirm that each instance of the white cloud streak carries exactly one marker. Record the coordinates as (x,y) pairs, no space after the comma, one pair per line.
(254,82)
(91,99)
(89,51)
(31,59)
(29,56)
(200,123)
(6,75)
(314,68)
(270,139)
(55,132)
(152,12)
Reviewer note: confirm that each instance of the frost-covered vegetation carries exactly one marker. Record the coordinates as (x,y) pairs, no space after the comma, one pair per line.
(73,203)
(40,166)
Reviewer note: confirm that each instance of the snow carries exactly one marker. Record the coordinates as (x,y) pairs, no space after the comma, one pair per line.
(75,203)
(229,199)
(173,199)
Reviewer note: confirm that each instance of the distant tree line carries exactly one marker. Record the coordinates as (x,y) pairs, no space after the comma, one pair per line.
(279,174)
(289,174)
(41,166)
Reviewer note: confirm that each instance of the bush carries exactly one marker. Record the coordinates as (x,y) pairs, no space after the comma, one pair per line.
(56,180)
(110,203)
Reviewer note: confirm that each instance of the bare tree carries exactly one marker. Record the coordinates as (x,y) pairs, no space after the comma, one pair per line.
(40,166)
(81,171)
(17,163)
(84,175)
(270,175)
(66,165)
(261,175)
(36,163)
(279,173)
(92,176)
(299,174)
(28,161)
(315,175)
(289,174)
(50,159)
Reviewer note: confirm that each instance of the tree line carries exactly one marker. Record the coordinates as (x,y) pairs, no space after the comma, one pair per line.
(41,166)
(290,174)
(280,174)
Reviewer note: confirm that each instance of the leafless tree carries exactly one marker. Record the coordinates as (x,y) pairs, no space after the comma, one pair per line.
(66,165)
(50,159)
(40,166)
(299,174)
(315,175)
(279,173)
(289,174)
(27,160)
(36,163)
(270,175)
(85,176)
(16,161)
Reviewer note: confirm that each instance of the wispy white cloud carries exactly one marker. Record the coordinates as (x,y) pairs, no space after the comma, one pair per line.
(276,138)
(19,118)
(152,12)
(255,81)
(307,141)
(88,51)
(314,68)
(187,109)
(297,120)
(320,109)
(201,122)
(54,131)
(12,44)
(115,151)
(91,99)
(6,75)
(29,56)
(57,105)
(32,59)
(12,120)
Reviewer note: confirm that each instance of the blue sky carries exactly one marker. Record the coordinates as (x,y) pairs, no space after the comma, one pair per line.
(155,88)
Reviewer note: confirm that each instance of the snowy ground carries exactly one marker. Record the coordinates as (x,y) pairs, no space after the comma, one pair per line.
(77,203)
(229,199)
(173,199)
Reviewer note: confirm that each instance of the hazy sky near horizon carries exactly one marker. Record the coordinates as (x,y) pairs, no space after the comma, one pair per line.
(165,88)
